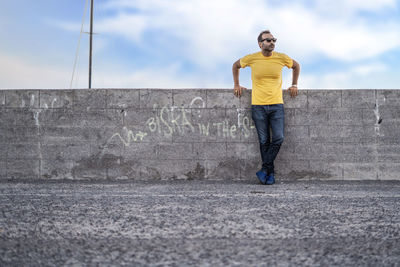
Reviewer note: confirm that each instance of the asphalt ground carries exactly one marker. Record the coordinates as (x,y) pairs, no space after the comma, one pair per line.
(200,223)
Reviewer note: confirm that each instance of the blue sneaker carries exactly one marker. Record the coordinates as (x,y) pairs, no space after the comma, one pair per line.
(262,176)
(271,179)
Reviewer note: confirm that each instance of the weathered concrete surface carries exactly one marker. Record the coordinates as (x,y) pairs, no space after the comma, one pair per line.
(152,134)
(207,223)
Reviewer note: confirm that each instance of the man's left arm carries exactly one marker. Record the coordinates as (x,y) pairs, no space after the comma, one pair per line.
(295,76)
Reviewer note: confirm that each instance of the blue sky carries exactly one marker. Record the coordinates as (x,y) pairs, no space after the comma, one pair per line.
(193,43)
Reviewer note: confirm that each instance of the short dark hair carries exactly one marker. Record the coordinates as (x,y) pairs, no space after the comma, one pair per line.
(259,38)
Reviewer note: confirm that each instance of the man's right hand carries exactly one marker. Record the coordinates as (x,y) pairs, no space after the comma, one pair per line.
(237,90)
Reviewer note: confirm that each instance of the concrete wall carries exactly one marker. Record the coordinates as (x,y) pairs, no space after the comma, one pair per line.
(194,134)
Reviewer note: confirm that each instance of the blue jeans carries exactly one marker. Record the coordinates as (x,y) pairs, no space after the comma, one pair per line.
(269,118)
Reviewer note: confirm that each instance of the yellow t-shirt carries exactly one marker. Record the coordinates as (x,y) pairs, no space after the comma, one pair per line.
(266,75)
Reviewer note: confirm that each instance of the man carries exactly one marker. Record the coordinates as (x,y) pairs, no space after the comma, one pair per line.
(266,100)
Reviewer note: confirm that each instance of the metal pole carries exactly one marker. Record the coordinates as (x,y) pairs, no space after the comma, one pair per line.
(90,44)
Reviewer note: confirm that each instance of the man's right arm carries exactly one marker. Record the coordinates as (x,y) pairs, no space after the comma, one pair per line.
(237,89)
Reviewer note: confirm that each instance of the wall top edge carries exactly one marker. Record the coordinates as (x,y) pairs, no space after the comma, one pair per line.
(183,89)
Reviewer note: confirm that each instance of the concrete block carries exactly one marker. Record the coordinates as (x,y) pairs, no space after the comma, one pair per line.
(172,169)
(23,169)
(210,151)
(248,170)
(286,152)
(360,171)
(388,98)
(57,169)
(250,136)
(3,169)
(200,133)
(6,134)
(311,116)
(158,98)
(222,99)
(100,118)
(68,118)
(123,99)
(324,99)
(19,134)
(110,150)
(230,126)
(293,170)
(388,153)
(201,126)
(65,150)
(2,99)
(123,136)
(93,167)
(190,98)
(241,120)
(320,169)
(388,134)
(89,99)
(297,134)
(360,153)
(170,121)
(124,169)
(389,171)
(345,116)
(137,134)
(290,117)
(245,99)
(207,116)
(358,98)
(339,133)
(3,149)
(370,117)
(7,118)
(145,116)
(22,98)
(226,169)
(178,151)
(50,134)
(300,101)
(315,151)
(166,120)
(56,117)
(137,151)
(50,99)
(243,151)
(24,117)
(239,126)
(24,151)
(388,115)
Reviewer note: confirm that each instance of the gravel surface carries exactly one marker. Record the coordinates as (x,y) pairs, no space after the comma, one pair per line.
(201,223)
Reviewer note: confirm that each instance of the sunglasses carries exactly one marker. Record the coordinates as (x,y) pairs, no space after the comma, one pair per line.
(269,40)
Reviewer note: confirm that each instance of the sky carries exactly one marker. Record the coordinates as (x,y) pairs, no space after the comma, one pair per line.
(339,44)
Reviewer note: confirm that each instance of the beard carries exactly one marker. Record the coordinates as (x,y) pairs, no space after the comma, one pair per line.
(269,48)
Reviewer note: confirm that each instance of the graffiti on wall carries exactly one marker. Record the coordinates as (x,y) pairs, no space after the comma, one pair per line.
(180,121)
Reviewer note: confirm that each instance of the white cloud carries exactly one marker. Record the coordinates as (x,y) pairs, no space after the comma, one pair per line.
(167,77)
(358,76)
(217,31)
(367,69)
(345,7)
(129,26)
(16,73)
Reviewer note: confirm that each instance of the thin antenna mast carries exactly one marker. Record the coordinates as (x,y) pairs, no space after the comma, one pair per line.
(90,44)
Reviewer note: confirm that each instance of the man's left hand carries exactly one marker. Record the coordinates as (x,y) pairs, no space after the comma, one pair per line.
(293,91)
